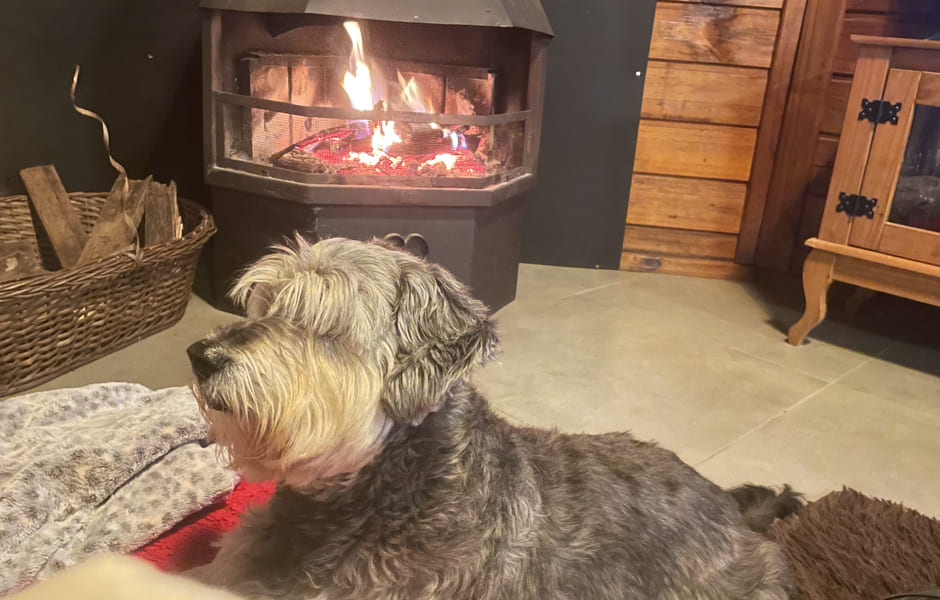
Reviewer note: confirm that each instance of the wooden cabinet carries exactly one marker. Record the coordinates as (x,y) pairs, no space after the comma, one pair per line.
(881,224)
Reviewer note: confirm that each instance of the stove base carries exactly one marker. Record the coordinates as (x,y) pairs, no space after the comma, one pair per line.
(480,246)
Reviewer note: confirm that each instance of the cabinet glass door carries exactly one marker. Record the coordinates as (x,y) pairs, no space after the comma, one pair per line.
(917,196)
(902,176)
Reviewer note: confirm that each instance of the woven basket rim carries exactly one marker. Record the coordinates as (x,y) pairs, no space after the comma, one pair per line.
(113,263)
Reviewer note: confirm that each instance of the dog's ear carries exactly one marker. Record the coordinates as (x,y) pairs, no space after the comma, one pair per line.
(443,334)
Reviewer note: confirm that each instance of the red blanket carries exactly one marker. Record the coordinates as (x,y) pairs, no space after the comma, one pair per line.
(191,542)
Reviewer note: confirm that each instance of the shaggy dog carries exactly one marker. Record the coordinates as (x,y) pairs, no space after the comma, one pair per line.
(349,384)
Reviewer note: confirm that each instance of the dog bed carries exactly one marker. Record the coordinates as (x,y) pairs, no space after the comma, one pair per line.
(98,469)
(845,546)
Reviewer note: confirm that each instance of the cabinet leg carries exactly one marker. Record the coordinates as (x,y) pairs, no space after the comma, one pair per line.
(817,276)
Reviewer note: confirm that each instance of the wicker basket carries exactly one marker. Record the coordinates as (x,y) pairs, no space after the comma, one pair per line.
(55,322)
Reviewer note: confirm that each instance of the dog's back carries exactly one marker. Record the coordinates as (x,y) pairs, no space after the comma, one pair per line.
(466,505)
(628,519)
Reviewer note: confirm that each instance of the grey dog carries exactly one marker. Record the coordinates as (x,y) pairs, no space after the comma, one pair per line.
(349,383)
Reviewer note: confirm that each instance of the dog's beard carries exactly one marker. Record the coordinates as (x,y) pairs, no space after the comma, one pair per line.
(307,425)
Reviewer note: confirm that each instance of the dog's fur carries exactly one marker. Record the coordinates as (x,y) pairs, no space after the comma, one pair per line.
(349,383)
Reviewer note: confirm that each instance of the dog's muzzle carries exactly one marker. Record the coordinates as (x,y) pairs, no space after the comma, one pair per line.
(206,358)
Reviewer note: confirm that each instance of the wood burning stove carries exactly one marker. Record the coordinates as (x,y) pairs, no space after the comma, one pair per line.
(417,121)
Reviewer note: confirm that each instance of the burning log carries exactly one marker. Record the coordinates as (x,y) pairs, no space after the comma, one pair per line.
(300,160)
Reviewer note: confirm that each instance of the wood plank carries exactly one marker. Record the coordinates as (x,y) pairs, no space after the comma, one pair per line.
(118,221)
(751,3)
(855,144)
(694,150)
(161,214)
(910,242)
(679,242)
(771,126)
(680,265)
(684,203)
(793,163)
(865,26)
(883,278)
(929,91)
(19,260)
(895,262)
(837,99)
(58,216)
(703,93)
(826,149)
(714,34)
(885,158)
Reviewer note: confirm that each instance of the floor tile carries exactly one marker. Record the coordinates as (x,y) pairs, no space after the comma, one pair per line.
(842,437)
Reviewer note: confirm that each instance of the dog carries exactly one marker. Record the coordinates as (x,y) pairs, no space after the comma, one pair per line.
(349,383)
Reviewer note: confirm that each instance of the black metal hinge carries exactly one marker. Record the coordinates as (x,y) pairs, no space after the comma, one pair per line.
(879,112)
(856,205)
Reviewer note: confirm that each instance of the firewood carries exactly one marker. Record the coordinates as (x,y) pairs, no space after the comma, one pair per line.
(19,260)
(117,224)
(58,216)
(161,214)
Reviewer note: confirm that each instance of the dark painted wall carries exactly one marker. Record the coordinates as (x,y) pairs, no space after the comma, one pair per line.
(575,216)
(140,71)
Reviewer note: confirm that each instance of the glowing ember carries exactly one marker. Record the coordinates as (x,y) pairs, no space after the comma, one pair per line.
(382,147)
(448,160)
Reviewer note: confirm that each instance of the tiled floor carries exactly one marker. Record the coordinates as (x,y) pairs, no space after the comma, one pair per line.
(699,365)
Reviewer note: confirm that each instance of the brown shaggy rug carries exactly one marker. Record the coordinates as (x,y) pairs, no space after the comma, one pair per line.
(847,546)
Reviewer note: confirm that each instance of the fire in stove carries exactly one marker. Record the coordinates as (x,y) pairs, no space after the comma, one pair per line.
(400,117)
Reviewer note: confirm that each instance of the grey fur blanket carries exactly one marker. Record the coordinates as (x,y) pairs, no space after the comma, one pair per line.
(104,468)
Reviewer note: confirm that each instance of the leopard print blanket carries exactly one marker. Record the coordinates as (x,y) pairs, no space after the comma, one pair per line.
(100,469)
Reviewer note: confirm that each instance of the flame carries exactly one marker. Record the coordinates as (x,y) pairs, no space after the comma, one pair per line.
(384,136)
(358,85)
(411,96)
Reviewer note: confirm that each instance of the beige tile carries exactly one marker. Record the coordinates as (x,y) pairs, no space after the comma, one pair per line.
(908,374)
(842,436)
(621,368)
(539,284)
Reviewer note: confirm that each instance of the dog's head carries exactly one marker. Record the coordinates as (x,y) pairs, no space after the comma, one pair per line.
(342,339)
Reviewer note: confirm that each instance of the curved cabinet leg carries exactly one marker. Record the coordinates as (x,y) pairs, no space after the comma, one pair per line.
(817,276)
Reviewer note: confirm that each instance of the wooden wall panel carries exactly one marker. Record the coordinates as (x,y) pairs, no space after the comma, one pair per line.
(711,99)
(826,149)
(703,93)
(683,265)
(837,99)
(664,241)
(694,150)
(685,203)
(714,34)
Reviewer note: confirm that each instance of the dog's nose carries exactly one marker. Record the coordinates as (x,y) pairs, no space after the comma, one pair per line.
(206,358)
